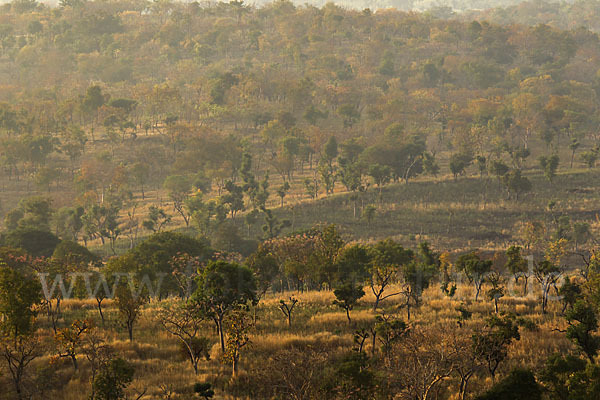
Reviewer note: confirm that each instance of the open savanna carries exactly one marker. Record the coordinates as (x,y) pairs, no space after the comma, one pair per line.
(285,357)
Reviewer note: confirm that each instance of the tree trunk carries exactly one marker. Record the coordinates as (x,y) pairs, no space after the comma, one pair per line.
(220,328)
(99,301)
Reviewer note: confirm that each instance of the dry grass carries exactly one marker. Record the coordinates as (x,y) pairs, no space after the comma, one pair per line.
(162,372)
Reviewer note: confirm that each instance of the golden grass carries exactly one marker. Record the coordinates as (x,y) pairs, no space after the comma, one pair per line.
(161,370)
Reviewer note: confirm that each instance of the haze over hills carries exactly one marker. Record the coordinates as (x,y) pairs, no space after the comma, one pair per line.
(299,202)
(404,5)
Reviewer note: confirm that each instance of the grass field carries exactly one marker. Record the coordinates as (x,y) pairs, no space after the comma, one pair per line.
(163,373)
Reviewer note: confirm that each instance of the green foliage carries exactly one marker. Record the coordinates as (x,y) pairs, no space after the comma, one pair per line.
(583,322)
(519,384)
(112,379)
(19,294)
(153,257)
(72,253)
(569,377)
(490,344)
(222,287)
(549,166)
(37,243)
(353,378)
(474,268)
(516,184)
(347,296)
(459,162)
(204,390)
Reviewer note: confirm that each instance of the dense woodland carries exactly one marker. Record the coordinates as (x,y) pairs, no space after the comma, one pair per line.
(224,201)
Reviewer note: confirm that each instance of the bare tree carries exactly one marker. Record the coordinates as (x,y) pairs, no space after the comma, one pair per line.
(184,321)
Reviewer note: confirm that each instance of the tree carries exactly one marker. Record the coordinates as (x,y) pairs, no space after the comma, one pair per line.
(19,295)
(287,309)
(581,233)
(417,275)
(184,321)
(515,184)
(549,166)
(222,287)
(496,291)
(93,100)
(311,187)
(389,331)
(204,390)
(519,384)
(547,274)
(353,378)
(570,293)
(37,243)
(265,268)
(387,259)
(156,220)
(430,164)
(583,322)
(70,340)
(475,269)
(273,226)
(491,342)
(570,378)
(590,158)
(499,169)
(347,296)
(237,326)
(283,190)
(517,265)
(71,253)
(352,263)
(140,171)
(459,162)
(36,213)
(153,258)
(129,305)
(573,146)
(381,174)
(112,379)
(179,188)
(20,292)
(369,213)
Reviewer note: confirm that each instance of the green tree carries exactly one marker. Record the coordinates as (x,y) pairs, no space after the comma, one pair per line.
(475,269)
(112,379)
(549,166)
(387,259)
(519,384)
(157,218)
(573,146)
(179,188)
(570,378)
(547,274)
(20,293)
(516,184)
(459,162)
(590,158)
(129,305)
(491,342)
(222,287)
(237,326)
(37,243)
(184,321)
(583,322)
(517,265)
(347,296)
